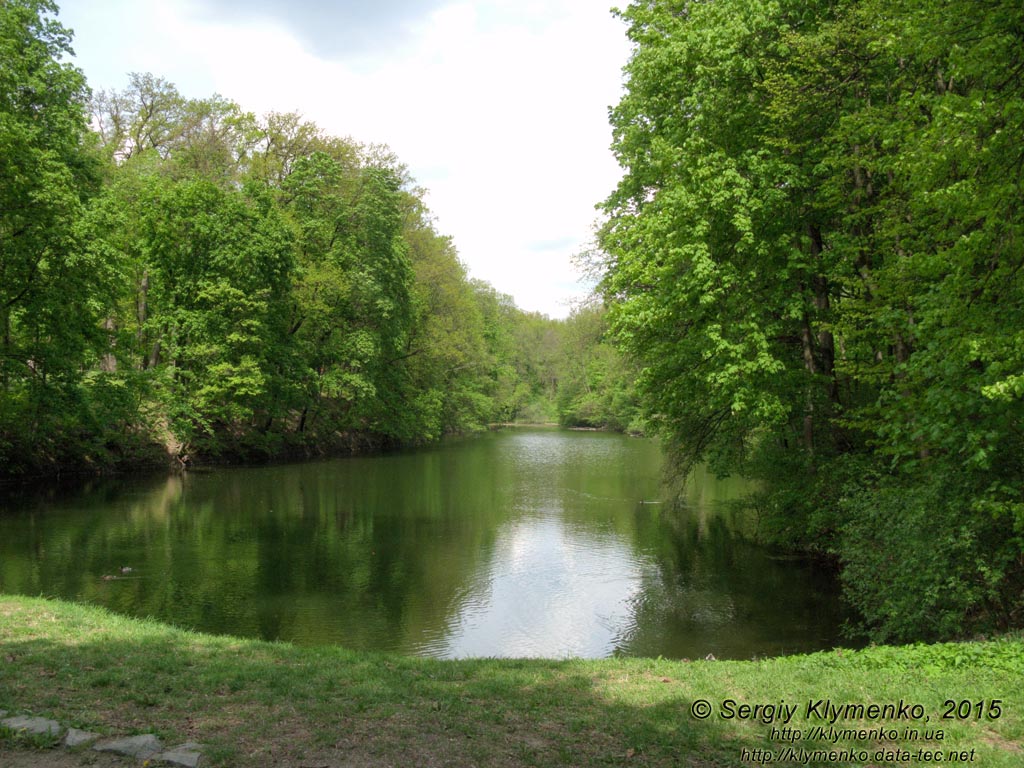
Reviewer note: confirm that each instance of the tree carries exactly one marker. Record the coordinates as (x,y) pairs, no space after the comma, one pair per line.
(352,308)
(47,284)
(447,354)
(204,273)
(714,269)
(596,384)
(147,116)
(946,299)
(814,254)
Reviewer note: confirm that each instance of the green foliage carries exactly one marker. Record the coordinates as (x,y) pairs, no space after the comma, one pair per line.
(815,257)
(47,317)
(189,276)
(351,311)
(699,235)
(596,388)
(203,277)
(918,559)
(448,361)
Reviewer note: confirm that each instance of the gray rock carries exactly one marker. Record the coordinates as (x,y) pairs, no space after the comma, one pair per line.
(39,726)
(186,755)
(76,738)
(143,747)
(3,713)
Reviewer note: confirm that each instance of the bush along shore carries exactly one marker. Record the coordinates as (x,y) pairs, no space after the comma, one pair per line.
(250,702)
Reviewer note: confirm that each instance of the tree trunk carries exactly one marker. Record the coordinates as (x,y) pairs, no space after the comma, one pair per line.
(5,352)
(822,303)
(141,311)
(806,341)
(108,363)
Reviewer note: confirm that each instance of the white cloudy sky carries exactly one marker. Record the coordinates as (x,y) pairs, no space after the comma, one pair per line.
(498,107)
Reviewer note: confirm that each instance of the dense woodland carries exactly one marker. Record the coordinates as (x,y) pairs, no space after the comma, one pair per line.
(178,275)
(816,256)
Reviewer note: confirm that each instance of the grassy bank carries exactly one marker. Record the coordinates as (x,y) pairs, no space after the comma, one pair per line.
(257,703)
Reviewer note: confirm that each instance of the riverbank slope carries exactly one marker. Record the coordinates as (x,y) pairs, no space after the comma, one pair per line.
(258,703)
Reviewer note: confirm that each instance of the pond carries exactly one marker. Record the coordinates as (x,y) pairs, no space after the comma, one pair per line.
(521,542)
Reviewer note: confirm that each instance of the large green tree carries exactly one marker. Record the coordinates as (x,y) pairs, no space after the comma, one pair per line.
(352,308)
(815,254)
(448,357)
(48,285)
(715,266)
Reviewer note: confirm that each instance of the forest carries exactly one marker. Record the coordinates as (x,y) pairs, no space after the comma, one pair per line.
(178,276)
(815,257)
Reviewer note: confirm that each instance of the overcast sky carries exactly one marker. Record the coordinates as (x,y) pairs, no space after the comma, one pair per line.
(498,107)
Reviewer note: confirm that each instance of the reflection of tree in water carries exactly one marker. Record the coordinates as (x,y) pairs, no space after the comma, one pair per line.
(364,552)
(709,589)
(335,555)
(390,552)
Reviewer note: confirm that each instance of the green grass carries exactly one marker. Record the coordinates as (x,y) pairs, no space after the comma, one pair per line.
(257,703)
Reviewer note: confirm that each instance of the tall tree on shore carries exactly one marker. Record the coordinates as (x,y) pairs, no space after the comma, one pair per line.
(815,255)
(47,316)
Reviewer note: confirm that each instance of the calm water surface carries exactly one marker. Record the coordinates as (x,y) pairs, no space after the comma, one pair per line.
(516,543)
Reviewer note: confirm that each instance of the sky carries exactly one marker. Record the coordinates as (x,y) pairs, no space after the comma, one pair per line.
(499,108)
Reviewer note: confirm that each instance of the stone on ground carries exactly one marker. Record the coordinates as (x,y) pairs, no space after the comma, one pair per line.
(186,755)
(143,747)
(76,738)
(37,726)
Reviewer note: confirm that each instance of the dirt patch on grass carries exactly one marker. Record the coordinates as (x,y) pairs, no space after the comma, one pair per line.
(994,739)
(427,750)
(15,757)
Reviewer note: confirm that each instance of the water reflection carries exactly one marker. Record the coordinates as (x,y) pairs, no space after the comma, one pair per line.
(714,592)
(551,590)
(520,543)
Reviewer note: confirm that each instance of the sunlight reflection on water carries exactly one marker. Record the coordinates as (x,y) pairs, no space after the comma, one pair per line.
(552,590)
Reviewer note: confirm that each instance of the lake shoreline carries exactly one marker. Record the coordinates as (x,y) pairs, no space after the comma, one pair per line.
(159,456)
(254,702)
(155,456)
